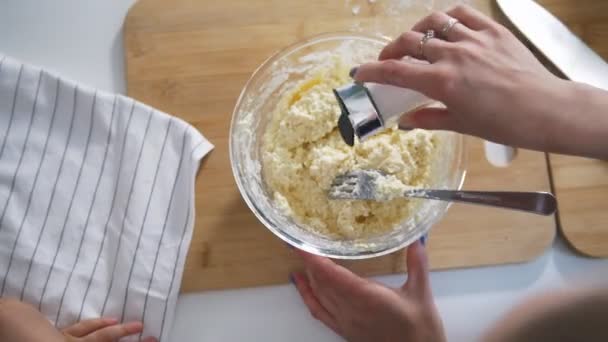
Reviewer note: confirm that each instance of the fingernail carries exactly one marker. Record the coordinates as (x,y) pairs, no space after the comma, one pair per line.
(353,72)
(292,279)
(423,239)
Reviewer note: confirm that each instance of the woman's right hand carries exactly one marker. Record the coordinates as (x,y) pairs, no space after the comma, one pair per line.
(492,85)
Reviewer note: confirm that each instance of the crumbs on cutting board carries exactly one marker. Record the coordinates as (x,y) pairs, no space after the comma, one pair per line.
(398,7)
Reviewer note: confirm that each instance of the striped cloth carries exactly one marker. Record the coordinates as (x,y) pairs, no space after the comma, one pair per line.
(96,200)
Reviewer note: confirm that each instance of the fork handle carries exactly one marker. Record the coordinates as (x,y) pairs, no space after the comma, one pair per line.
(542,203)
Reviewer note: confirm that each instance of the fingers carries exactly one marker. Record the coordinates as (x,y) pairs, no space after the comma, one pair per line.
(321,275)
(84,328)
(431,118)
(418,282)
(471,18)
(332,284)
(416,76)
(312,302)
(115,332)
(327,276)
(104,330)
(408,44)
(437,21)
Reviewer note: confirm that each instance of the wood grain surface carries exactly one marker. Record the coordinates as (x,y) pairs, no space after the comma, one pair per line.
(581,184)
(191,58)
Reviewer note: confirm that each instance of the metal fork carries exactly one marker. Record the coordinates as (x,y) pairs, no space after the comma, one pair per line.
(363,185)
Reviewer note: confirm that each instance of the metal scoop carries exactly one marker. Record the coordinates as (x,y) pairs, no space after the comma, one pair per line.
(368,185)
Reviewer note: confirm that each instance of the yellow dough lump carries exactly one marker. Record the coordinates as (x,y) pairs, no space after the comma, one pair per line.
(303,152)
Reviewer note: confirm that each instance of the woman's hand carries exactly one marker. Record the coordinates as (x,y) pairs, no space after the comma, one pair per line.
(362,310)
(20,322)
(493,87)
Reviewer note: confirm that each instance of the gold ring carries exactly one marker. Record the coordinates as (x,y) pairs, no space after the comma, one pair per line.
(448,26)
(430,34)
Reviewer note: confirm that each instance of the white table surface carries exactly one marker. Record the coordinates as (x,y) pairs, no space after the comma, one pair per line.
(82,40)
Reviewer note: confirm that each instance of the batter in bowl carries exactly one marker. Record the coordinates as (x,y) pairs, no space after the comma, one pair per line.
(302,152)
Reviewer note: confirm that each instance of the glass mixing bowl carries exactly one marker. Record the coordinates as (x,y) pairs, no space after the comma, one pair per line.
(253,111)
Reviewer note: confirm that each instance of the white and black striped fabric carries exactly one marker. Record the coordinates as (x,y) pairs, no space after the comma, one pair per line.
(96,200)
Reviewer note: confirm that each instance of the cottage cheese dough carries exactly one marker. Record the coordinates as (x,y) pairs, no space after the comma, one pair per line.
(303,152)
(389,187)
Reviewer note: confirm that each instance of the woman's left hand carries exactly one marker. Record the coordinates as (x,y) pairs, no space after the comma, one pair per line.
(102,330)
(363,310)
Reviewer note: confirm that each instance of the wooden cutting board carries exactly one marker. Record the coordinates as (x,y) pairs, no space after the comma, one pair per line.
(580,184)
(192,57)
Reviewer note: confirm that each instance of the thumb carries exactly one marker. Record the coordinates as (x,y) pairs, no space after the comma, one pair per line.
(418,283)
(431,118)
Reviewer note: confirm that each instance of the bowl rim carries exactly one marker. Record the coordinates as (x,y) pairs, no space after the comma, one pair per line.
(291,240)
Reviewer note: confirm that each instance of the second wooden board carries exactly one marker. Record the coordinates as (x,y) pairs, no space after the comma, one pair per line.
(581,185)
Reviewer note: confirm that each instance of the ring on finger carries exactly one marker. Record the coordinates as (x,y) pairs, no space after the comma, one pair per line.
(448,26)
(430,34)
